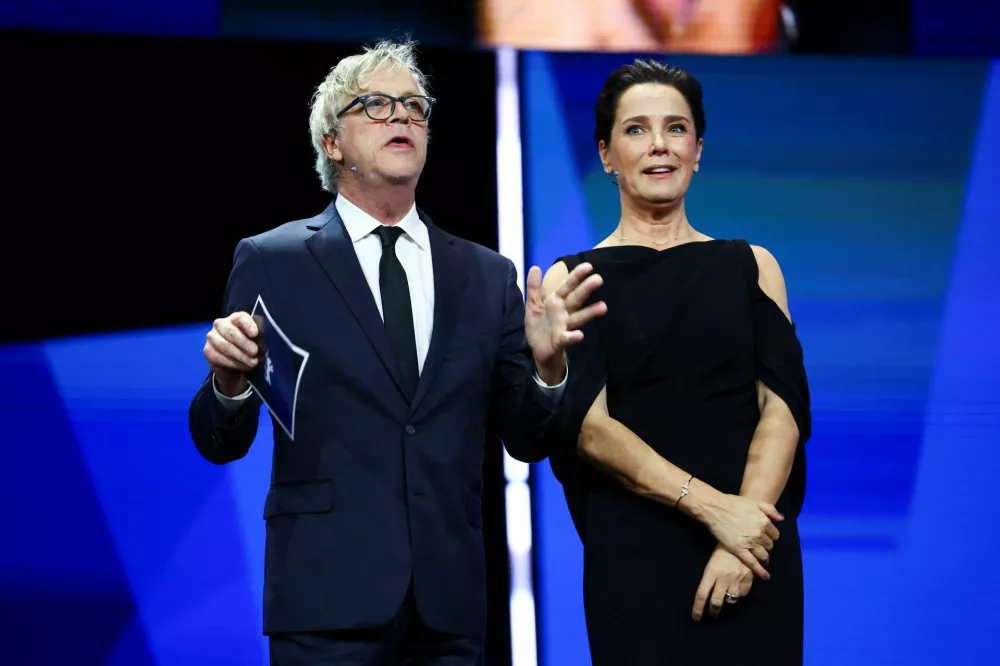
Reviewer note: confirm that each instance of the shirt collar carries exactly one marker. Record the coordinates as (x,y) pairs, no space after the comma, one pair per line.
(360,224)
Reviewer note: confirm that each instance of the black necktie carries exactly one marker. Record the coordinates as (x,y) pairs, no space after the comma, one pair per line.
(396,310)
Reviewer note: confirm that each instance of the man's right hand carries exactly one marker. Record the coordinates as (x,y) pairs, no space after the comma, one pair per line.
(230,351)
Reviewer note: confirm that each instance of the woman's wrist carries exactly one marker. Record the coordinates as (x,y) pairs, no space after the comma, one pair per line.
(699,500)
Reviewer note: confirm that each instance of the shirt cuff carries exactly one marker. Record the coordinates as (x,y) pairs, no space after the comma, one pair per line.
(230,404)
(551,392)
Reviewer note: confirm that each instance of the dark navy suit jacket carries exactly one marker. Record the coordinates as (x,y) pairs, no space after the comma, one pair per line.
(375,492)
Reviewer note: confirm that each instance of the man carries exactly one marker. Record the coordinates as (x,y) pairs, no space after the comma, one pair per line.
(419,344)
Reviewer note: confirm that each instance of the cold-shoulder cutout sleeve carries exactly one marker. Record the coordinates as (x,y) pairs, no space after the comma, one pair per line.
(780,366)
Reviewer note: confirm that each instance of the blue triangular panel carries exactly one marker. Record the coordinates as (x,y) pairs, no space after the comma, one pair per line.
(131,647)
(945,612)
(64,595)
(170,511)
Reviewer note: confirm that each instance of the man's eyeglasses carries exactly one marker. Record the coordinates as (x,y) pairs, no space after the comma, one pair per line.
(381,107)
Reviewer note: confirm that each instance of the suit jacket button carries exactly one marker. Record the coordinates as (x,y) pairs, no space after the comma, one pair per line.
(410,430)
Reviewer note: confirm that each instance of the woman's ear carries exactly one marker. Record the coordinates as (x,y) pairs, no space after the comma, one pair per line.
(602,151)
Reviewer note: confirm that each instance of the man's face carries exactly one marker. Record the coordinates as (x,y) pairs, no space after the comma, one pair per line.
(386,151)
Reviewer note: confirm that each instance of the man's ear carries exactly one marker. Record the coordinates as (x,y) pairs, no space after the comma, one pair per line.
(331,146)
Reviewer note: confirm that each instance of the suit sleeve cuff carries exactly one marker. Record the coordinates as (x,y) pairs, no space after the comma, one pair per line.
(551,393)
(231,405)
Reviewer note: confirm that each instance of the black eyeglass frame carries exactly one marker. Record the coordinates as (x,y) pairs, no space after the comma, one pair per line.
(362,99)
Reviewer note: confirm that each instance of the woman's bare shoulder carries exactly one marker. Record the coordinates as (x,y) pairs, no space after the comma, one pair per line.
(555,276)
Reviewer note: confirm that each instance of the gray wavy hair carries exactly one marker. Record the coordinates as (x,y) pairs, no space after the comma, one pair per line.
(345,81)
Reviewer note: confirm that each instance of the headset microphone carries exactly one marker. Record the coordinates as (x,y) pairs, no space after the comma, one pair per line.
(356,171)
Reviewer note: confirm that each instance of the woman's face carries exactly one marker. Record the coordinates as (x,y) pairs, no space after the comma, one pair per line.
(653,146)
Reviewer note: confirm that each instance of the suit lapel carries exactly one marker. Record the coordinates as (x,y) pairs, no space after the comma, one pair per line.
(451,276)
(332,248)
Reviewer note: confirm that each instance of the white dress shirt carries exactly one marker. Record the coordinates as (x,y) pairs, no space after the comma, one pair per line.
(414,252)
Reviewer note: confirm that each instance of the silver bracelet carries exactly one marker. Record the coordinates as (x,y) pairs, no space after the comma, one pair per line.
(685,489)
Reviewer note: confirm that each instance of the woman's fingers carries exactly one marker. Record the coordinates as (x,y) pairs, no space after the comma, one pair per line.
(747,558)
(771,531)
(717,599)
(701,596)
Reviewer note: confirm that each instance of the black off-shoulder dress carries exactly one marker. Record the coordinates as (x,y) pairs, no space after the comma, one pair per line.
(687,334)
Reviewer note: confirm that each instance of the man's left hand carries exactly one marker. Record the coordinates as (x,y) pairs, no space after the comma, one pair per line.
(553,322)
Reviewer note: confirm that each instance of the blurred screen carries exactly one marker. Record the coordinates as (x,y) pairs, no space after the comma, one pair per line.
(692,26)
(965,28)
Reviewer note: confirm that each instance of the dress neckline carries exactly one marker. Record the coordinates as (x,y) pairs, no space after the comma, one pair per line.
(653,249)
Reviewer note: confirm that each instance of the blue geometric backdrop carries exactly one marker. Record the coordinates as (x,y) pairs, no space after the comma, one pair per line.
(122,546)
(875,184)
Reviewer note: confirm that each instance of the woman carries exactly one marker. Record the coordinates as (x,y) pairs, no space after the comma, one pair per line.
(687,413)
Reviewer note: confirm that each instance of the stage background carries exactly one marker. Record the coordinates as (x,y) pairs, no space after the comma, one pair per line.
(874,184)
(142,140)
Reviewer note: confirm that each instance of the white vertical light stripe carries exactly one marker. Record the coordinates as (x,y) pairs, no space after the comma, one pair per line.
(510,233)
(510,210)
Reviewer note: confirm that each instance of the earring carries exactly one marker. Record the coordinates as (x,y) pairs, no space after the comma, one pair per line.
(612,176)
(696,166)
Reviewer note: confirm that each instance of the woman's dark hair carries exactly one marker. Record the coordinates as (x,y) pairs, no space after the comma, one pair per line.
(645,71)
